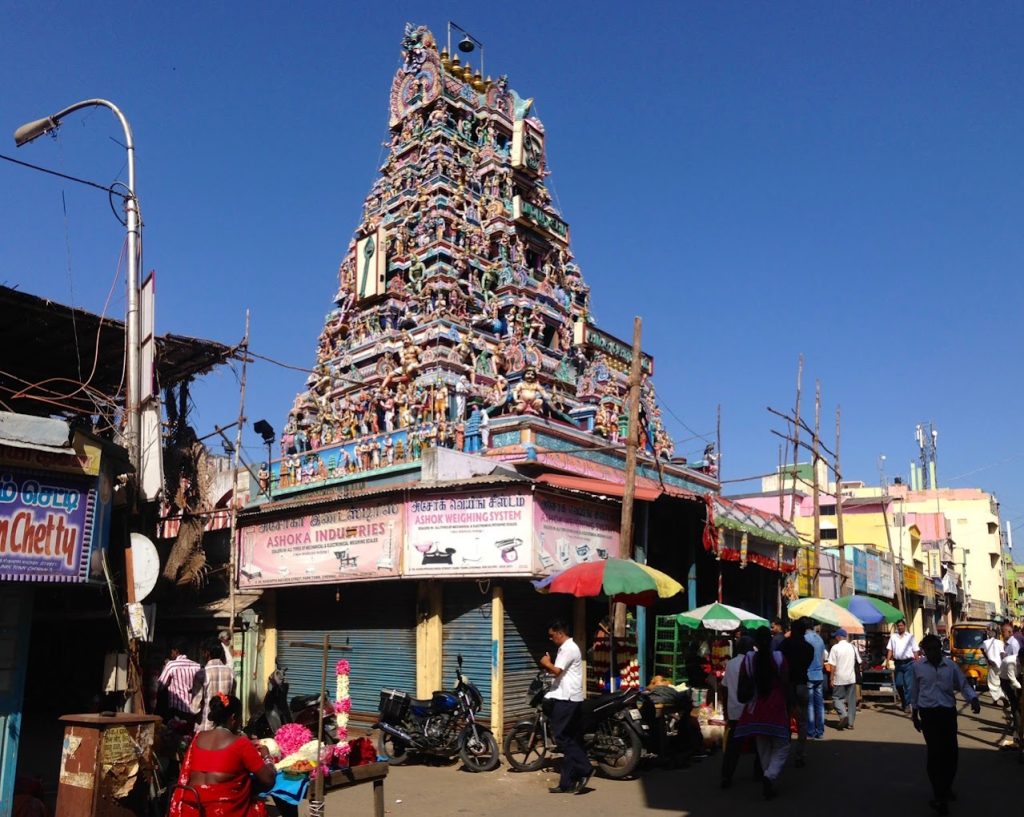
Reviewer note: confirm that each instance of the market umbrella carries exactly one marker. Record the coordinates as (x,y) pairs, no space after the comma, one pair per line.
(827,612)
(621,580)
(870,610)
(720,617)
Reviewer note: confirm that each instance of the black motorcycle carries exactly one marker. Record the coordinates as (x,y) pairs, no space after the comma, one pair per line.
(609,735)
(442,726)
(303,709)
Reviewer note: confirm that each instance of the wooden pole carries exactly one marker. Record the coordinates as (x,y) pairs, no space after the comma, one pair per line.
(839,510)
(236,454)
(318,786)
(796,436)
(718,440)
(816,489)
(632,442)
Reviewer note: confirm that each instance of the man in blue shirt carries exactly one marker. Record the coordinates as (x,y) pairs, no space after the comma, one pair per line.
(815,686)
(933,709)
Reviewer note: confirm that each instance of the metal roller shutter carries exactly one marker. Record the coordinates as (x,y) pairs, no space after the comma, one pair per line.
(527,616)
(377,620)
(467,631)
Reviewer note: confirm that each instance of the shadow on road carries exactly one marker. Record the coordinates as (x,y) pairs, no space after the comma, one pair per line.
(878,768)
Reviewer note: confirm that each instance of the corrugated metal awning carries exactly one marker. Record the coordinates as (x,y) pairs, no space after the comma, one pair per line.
(598,487)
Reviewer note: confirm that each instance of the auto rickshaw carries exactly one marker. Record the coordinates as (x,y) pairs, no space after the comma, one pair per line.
(966,651)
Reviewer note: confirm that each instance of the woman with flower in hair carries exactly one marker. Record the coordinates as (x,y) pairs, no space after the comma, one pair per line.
(223,772)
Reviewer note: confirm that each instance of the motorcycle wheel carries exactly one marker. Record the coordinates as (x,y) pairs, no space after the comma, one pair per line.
(480,751)
(622,755)
(395,750)
(525,748)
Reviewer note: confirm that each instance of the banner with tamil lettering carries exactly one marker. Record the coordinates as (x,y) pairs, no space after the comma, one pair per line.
(472,534)
(344,544)
(874,574)
(570,531)
(46,527)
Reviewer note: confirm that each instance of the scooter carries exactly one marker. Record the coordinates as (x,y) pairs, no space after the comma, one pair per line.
(303,709)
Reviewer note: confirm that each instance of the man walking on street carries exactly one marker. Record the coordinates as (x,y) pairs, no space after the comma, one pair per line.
(936,681)
(799,655)
(565,696)
(816,685)
(212,679)
(175,682)
(778,633)
(902,650)
(993,647)
(842,661)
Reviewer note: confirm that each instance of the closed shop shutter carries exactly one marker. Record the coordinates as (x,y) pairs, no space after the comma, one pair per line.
(376,619)
(527,616)
(467,631)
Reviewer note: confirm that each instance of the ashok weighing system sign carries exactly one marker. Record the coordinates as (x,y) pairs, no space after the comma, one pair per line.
(46,523)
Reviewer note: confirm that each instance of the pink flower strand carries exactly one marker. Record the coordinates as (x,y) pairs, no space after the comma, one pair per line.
(341,668)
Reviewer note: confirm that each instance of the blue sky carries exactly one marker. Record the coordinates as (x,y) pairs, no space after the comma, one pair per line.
(756,180)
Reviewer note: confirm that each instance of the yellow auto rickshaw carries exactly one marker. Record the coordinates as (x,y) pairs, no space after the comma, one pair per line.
(966,651)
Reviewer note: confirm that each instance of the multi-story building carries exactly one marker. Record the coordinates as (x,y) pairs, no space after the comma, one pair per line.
(941,547)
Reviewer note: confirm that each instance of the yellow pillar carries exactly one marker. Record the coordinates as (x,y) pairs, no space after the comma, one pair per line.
(498,662)
(429,672)
(268,658)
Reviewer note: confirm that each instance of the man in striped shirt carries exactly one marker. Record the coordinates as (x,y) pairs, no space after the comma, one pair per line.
(176,681)
(213,678)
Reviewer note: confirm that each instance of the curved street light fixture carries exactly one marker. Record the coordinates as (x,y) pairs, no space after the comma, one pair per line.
(133,400)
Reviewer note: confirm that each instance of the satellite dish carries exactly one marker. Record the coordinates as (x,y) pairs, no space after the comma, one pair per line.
(145,565)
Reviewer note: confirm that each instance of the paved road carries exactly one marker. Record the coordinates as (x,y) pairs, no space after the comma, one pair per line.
(876,769)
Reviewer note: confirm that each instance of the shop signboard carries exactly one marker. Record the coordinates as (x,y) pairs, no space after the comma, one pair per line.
(570,531)
(888,582)
(471,534)
(343,544)
(874,574)
(46,526)
(860,570)
(913,579)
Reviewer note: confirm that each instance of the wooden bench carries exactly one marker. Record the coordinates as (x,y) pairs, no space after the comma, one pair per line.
(356,776)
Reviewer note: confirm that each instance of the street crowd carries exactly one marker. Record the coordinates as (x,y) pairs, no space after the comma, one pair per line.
(776,683)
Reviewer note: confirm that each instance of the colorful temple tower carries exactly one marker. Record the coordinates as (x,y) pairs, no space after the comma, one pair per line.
(460,305)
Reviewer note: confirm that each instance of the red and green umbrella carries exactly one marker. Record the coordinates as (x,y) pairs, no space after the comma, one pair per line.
(621,580)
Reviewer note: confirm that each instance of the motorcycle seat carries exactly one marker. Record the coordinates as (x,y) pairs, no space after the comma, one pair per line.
(302,701)
(420,703)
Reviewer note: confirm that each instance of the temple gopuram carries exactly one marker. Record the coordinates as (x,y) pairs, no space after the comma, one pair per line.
(459,298)
(461,433)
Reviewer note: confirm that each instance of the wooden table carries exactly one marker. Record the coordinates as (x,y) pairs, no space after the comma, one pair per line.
(357,775)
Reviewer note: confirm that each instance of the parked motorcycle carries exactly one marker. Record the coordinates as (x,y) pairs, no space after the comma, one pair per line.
(303,709)
(609,735)
(442,726)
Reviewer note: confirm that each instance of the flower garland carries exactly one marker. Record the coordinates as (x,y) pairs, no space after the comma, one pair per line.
(342,708)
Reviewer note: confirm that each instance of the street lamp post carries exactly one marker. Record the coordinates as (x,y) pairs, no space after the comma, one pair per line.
(133,400)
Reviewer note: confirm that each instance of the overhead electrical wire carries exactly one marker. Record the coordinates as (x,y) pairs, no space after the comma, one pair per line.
(110,190)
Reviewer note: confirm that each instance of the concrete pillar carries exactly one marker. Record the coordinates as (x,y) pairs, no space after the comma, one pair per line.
(268,657)
(429,672)
(498,662)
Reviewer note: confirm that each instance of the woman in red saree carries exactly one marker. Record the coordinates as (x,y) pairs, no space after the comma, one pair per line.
(223,772)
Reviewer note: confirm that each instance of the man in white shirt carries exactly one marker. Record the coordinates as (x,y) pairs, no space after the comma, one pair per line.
(902,650)
(993,648)
(932,698)
(1008,682)
(565,695)
(842,663)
